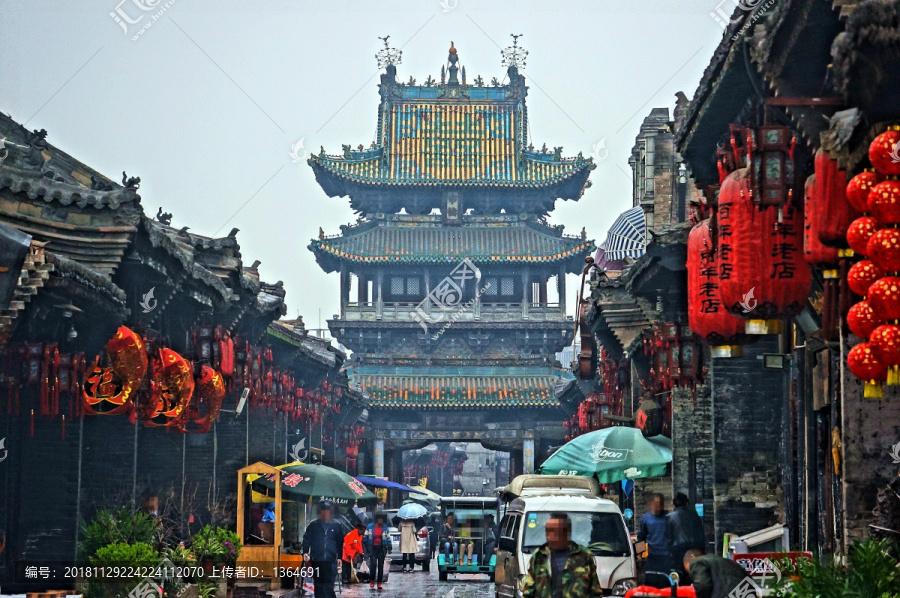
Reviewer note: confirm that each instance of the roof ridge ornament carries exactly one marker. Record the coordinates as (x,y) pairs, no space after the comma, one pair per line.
(514,56)
(388,57)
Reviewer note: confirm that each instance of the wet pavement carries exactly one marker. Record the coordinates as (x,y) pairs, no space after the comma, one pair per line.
(425,584)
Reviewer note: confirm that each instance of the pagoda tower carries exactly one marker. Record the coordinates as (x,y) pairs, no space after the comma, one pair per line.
(444,278)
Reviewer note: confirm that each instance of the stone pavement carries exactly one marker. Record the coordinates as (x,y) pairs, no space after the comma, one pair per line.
(421,584)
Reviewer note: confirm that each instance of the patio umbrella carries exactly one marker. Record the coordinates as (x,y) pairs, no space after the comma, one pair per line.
(611,454)
(627,236)
(379,483)
(312,483)
(426,497)
(412,511)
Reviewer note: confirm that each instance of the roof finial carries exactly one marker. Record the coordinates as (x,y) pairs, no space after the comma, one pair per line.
(388,56)
(514,56)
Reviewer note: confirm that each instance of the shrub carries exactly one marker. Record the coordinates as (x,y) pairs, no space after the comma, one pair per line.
(124,558)
(219,544)
(116,526)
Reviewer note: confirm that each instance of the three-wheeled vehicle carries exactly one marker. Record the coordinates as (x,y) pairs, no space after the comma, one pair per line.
(471,528)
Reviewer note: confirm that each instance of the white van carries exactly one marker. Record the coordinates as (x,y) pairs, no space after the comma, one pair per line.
(597,524)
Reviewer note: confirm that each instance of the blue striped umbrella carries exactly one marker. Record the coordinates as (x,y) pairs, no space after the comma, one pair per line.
(627,236)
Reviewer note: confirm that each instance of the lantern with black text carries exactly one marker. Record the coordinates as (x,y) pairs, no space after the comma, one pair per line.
(762,274)
(707,317)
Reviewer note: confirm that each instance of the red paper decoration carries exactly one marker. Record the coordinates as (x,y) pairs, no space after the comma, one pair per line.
(884,297)
(814,251)
(761,269)
(858,189)
(862,319)
(884,202)
(859,233)
(883,249)
(861,276)
(865,366)
(884,152)
(885,343)
(832,213)
(171,388)
(707,317)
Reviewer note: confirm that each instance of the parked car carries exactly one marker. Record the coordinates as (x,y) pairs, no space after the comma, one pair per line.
(597,524)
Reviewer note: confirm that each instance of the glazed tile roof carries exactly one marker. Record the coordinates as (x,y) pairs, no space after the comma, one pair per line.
(417,240)
(458,392)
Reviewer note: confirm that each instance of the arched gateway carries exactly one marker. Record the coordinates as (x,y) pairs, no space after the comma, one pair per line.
(449,265)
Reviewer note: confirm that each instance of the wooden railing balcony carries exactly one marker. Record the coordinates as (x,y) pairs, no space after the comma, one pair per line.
(485,312)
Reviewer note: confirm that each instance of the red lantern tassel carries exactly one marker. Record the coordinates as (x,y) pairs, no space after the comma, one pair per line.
(63,427)
(32,424)
(873,390)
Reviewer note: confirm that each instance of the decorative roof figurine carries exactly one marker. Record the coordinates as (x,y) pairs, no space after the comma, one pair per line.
(388,56)
(514,56)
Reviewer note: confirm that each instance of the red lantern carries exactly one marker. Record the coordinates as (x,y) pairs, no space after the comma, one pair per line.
(883,249)
(884,297)
(859,232)
(707,316)
(832,213)
(884,152)
(884,202)
(865,366)
(861,276)
(814,251)
(862,319)
(885,343)
(859,187)
(109,391)
(760,254)
(171,389)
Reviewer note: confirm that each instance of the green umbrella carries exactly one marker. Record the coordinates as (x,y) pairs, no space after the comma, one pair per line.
(426,497)
(312,483)
(611,454)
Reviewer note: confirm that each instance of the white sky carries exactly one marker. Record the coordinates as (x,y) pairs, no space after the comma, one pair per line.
(207,103)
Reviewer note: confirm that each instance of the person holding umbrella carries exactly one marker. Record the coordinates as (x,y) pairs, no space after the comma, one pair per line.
(322,543)
(378,541)
(409,544)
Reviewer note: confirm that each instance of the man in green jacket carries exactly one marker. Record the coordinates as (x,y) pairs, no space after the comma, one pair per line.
(560,568)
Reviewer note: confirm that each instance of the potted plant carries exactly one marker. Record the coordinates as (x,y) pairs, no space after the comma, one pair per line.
(208,548)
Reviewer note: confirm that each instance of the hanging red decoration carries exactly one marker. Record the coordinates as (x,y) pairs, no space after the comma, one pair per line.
(883,249)
(707,317)
(814,251)
(171,388)
(884,152)
(861,276)
(859,232)
(759,253)
(885,343)
(858,189)
(864,365)
(209,392)
(832,212)
(884,202)
(884,297)
(862,319)
(109,391)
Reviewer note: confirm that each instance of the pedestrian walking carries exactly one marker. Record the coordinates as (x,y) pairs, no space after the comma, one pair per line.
(684,531)
(322,546)
(653,532)
(448,539)
(378,541)
(561,568)
(713,576)
(353,549)
(409,545)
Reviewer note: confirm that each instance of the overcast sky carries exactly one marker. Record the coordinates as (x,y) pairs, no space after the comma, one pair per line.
(206,104)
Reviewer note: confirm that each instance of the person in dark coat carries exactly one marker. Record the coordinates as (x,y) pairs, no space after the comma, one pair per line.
(684,531)
(322,544)
(713,576)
